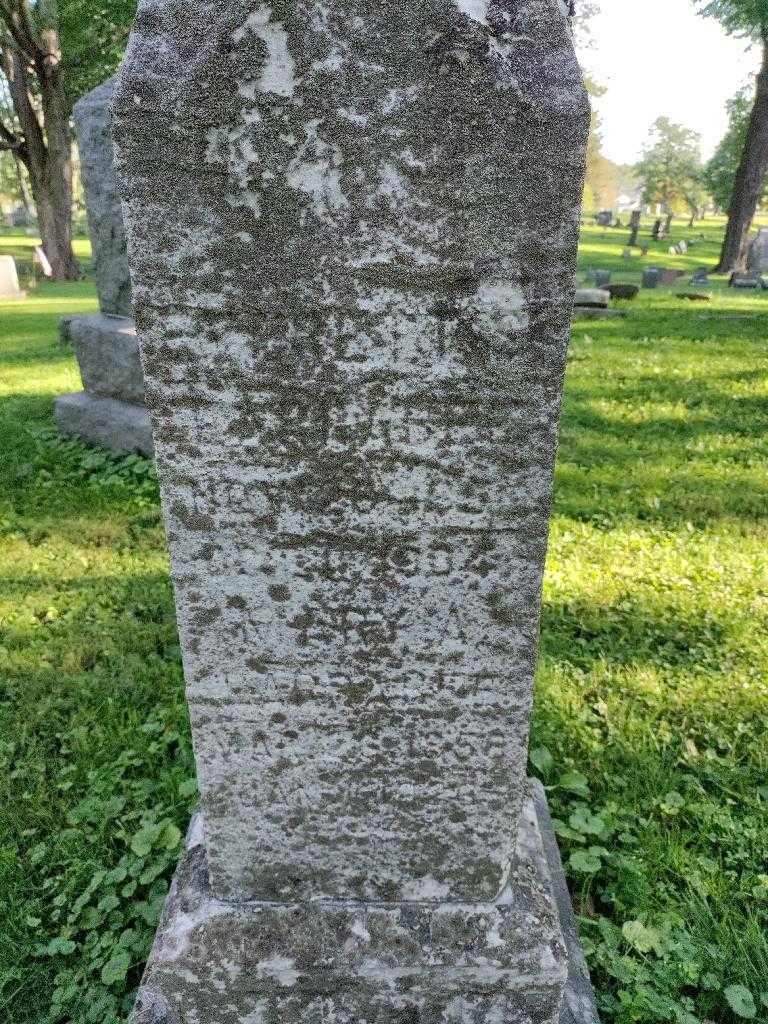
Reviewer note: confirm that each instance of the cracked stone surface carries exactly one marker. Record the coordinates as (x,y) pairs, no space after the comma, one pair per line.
(102,200)
(353,235)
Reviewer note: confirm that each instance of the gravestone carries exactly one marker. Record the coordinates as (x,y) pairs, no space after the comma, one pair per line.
(750,279)
(604,219)
(9,280)
(601,278)
(651,277)
(110,411)
(700,276)
(594,297)
(757,259)
(353,283)
(623,290)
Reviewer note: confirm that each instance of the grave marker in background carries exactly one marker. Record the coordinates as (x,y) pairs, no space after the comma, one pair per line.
(353,283)
(757,261)
(9,280)
(110,411)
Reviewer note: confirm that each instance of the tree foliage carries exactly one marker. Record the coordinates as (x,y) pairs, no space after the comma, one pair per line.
(720,172)
(747,18)
(93,38)
(670,168)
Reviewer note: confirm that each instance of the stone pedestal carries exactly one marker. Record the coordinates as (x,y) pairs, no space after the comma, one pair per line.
(110,411)
(504,960)
(352,230)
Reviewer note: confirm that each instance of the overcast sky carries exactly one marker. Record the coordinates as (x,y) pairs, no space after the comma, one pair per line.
(658,57)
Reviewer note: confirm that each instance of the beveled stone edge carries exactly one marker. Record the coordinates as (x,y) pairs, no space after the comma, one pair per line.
(579,1003)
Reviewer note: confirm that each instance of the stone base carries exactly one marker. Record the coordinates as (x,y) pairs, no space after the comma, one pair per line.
(105,421)
(107,351)
(594,313)
(348,962)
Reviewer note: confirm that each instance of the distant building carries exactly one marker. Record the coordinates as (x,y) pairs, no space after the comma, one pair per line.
(626,203)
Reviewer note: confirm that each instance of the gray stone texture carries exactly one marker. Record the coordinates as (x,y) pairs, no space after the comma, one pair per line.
(105,344)
(102,200)
(353,233)
(104,421)
(108,354)
(757,259)
(9,280)
(495,962)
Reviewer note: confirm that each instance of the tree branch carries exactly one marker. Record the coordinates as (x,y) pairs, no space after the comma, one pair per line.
(19,27)
(14,67)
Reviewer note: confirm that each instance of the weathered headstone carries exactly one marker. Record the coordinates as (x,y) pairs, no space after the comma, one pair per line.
(110,411)
(700,276)
(595,297)
(622,290)
(103,205)
(353,283)
(757,260)
(604,218)
(601,278)
(651,277)
(750,279)
(9,280)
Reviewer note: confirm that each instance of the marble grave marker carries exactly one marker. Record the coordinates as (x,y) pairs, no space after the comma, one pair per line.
(352,231)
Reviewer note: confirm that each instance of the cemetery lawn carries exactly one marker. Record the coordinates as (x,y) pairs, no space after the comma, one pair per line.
(651,719)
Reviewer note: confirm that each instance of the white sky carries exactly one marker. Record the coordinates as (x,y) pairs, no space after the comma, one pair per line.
(658,57)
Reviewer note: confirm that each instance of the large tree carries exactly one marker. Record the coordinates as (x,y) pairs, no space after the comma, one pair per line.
(747,19)
(670,167)
(51,52)
(38,130)
(720,172)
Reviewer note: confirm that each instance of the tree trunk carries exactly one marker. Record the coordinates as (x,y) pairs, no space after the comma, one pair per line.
(46,149)
(749,181)
(26,198)
(54,204)
(634,227)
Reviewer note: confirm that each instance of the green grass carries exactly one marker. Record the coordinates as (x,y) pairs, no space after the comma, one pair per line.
(21,245)
(651,715)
